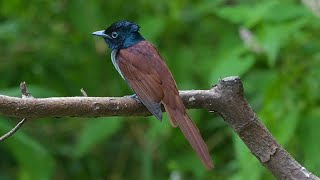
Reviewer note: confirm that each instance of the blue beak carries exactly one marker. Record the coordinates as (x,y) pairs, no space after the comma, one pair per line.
(101,34)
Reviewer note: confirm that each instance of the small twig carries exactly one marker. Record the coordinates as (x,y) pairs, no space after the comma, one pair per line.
(25,94)
(83,92)
(13,130)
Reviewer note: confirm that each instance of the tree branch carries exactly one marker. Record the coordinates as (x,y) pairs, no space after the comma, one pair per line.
(13,130)
(226,98)
(25,94)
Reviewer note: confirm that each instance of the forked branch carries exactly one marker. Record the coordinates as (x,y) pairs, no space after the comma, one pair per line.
(226,98)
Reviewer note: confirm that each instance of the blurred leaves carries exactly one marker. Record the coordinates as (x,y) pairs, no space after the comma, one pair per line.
(309,130)
(101,129)
(245,14)
(35,162)
(49,45)
(231,64)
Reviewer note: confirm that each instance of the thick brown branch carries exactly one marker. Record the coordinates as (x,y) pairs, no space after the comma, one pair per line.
(226,99)
(92,106)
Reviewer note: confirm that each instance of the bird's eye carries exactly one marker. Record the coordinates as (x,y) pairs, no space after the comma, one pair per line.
(114,34)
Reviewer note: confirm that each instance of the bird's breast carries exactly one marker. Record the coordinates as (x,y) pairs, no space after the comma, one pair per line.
(115,61)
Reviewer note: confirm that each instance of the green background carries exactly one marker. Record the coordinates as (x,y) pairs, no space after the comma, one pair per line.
(272,45)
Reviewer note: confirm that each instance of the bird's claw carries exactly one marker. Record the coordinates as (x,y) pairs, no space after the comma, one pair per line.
(134,97)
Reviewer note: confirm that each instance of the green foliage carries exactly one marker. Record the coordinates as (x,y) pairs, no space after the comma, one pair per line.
(273,45)
(96,131)
(34,160)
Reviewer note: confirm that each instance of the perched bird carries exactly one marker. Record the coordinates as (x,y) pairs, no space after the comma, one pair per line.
(142,67)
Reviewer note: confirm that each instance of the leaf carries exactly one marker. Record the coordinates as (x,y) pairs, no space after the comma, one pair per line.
(308,133)
(256,86)
(279,110)
(8,30)
(35,162)
(94,132)
(275,36)
(247,15)
(289,11)
(231,65)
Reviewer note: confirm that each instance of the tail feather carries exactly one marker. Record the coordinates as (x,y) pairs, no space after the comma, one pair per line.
(173,121)
(191,132)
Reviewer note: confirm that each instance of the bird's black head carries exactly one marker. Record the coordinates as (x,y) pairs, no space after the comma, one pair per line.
(121,34)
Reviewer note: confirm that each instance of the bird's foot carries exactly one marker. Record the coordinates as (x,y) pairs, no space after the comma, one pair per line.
(134,97)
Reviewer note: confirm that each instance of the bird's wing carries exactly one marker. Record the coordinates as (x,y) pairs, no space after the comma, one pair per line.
(147,74)
(137,65)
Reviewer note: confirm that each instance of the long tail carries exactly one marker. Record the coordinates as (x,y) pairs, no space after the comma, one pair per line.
(179,116)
